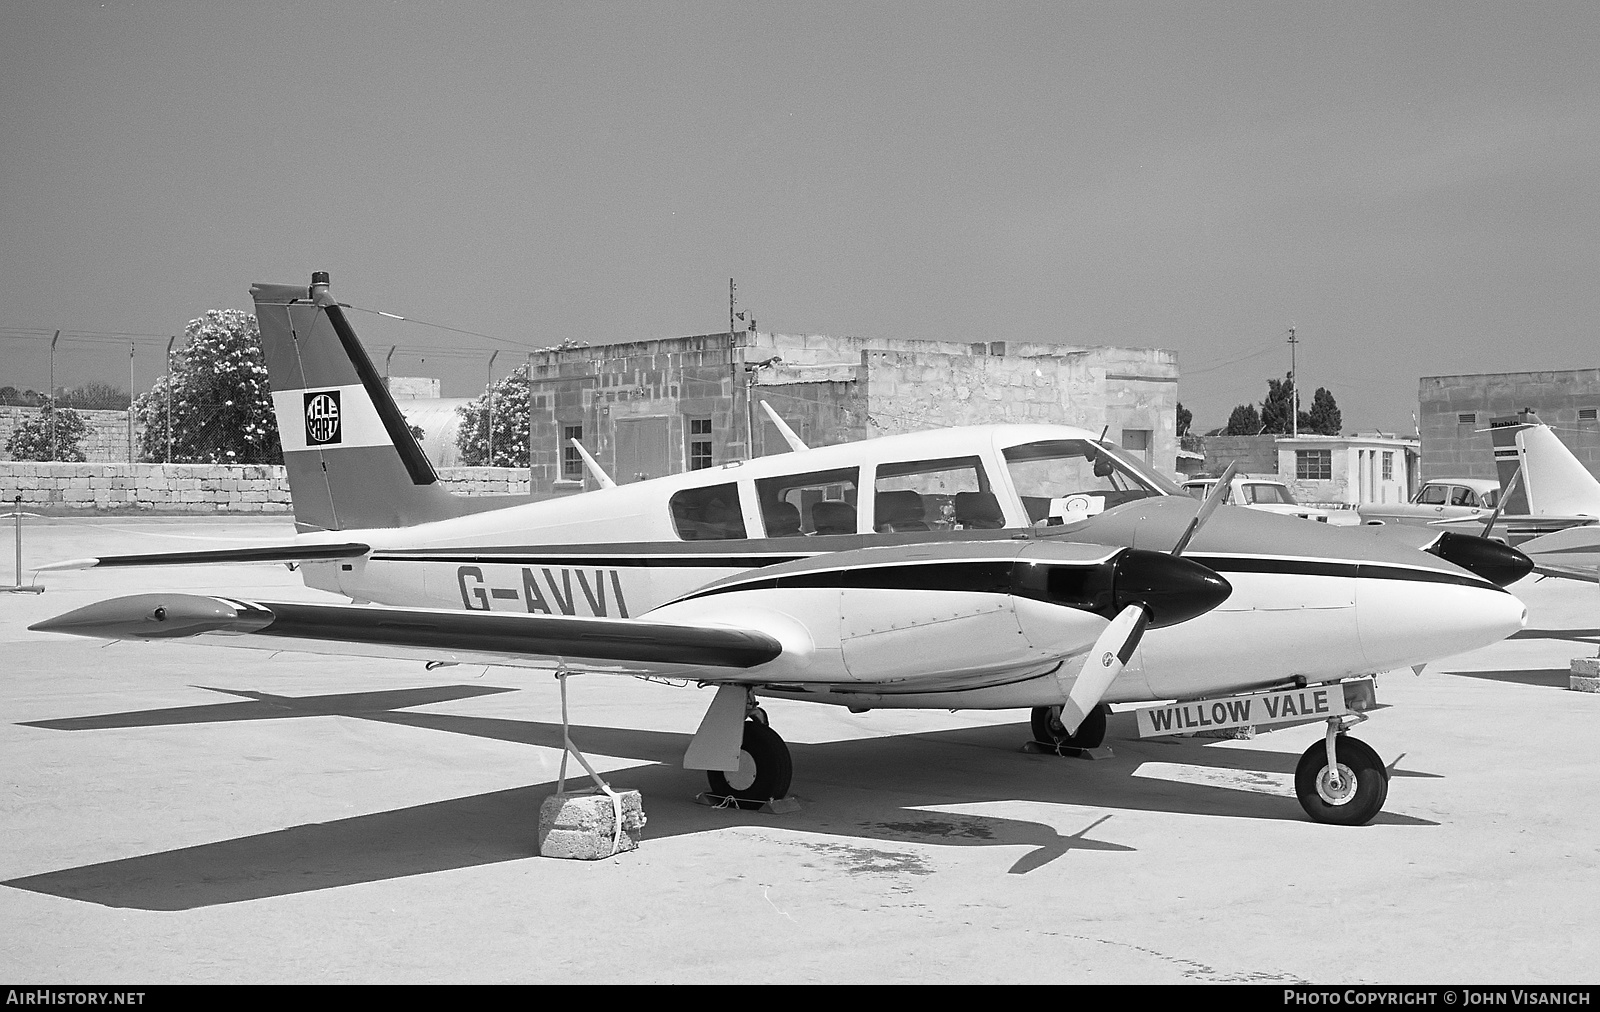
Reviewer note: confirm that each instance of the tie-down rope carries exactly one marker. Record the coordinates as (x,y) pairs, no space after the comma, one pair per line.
(569,747)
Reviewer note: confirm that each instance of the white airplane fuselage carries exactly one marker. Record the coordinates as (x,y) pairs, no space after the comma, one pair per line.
(1309,600)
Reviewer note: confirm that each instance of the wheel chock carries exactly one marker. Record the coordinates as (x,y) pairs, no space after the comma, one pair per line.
(1044,748)
(774,806)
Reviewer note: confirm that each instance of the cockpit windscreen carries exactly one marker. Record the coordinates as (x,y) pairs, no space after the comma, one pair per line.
(1065,480)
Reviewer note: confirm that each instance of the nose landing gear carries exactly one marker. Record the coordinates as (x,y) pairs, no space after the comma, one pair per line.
(1340,780)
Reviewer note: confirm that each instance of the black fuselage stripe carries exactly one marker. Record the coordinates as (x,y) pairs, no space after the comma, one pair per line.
(1346,570)
(601,561)
(1216,563)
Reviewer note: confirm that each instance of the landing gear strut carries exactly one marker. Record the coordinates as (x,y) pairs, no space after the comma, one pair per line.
(1347,791)
(1047,729)
(764,767)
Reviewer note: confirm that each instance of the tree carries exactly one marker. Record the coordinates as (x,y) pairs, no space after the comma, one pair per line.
(32,439)
(1244,421)
(1185,418)
(1324,418)
(1277,411)
(510,424)
(221,401)
(95,395)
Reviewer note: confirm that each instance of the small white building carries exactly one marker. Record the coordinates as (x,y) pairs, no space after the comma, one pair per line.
(1349,470)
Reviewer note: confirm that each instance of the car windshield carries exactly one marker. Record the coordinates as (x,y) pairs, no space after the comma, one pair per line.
(1061,480)
(1269,495)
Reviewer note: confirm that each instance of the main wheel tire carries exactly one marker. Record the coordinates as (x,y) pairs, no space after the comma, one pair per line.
(764,769)
(1047,729)
(1363,783)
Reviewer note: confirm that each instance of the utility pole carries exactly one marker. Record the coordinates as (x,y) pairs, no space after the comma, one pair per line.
(170,342)
(130,401)
(491,406)
(1294,387)
(734,361)
(50,395)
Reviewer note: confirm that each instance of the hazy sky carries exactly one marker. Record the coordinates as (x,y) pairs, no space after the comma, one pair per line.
(1411,185)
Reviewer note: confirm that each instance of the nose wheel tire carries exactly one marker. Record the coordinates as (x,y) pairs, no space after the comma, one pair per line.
(1359,794)
(1047,729)
(764,769)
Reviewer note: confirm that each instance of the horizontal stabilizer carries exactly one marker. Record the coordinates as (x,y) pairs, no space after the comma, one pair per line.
(274,553)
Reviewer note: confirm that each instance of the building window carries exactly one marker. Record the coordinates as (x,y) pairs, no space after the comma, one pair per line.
(1313,465)
(571,459)
(699,443)
(1138,441)
(1388,465)
(1588,414)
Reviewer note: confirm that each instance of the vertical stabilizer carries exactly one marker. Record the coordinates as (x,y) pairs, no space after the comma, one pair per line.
(1555,482)
(351,458)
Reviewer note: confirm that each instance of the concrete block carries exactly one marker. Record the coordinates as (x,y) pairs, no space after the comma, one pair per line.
(1585,676)
(579,825)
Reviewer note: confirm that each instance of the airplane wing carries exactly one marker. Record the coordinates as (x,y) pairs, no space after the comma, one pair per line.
(1573,553)
(618,646)
(270,553)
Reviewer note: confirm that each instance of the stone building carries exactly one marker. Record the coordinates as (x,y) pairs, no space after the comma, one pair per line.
(1327,470)
(1456,412)
(649,408)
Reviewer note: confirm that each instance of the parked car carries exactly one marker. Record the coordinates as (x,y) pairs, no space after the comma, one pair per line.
(1266,494)
(1437,499)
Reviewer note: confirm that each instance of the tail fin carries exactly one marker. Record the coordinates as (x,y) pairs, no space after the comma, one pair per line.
(350,455)
(1555,482)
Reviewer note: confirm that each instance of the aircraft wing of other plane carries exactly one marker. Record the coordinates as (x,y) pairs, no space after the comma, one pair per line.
(1573,553)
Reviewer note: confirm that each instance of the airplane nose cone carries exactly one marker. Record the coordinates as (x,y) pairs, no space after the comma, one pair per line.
(1173,588)
(1499,564)
(1403,622)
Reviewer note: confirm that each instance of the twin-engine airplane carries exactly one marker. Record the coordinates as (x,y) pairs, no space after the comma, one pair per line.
(989,567)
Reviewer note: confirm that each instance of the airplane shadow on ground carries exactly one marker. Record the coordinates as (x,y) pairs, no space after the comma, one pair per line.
(870,789)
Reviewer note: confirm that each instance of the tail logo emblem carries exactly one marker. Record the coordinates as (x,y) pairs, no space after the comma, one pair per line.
(322,418)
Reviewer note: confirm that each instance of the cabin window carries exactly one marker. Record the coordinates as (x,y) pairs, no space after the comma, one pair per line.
(1313,465)
(951,493)
(571,459)
(1434,495)
(699,443)
(708,514)
(820,502)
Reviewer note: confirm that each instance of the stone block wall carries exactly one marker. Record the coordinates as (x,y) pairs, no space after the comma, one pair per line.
(195,488)
(107,439)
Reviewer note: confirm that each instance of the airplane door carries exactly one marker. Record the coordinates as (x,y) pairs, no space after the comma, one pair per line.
(641,449)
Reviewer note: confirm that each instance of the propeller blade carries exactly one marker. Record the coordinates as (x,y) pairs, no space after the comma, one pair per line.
(1105,662)
(1501,503)
(1219,492)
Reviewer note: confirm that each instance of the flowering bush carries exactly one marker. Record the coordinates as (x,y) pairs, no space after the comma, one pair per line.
(221,401)
(510,424)
(31,440)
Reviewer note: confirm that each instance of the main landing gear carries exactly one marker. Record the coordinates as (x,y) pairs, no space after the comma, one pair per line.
(1047,729)
(1341,780)
(765,768)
